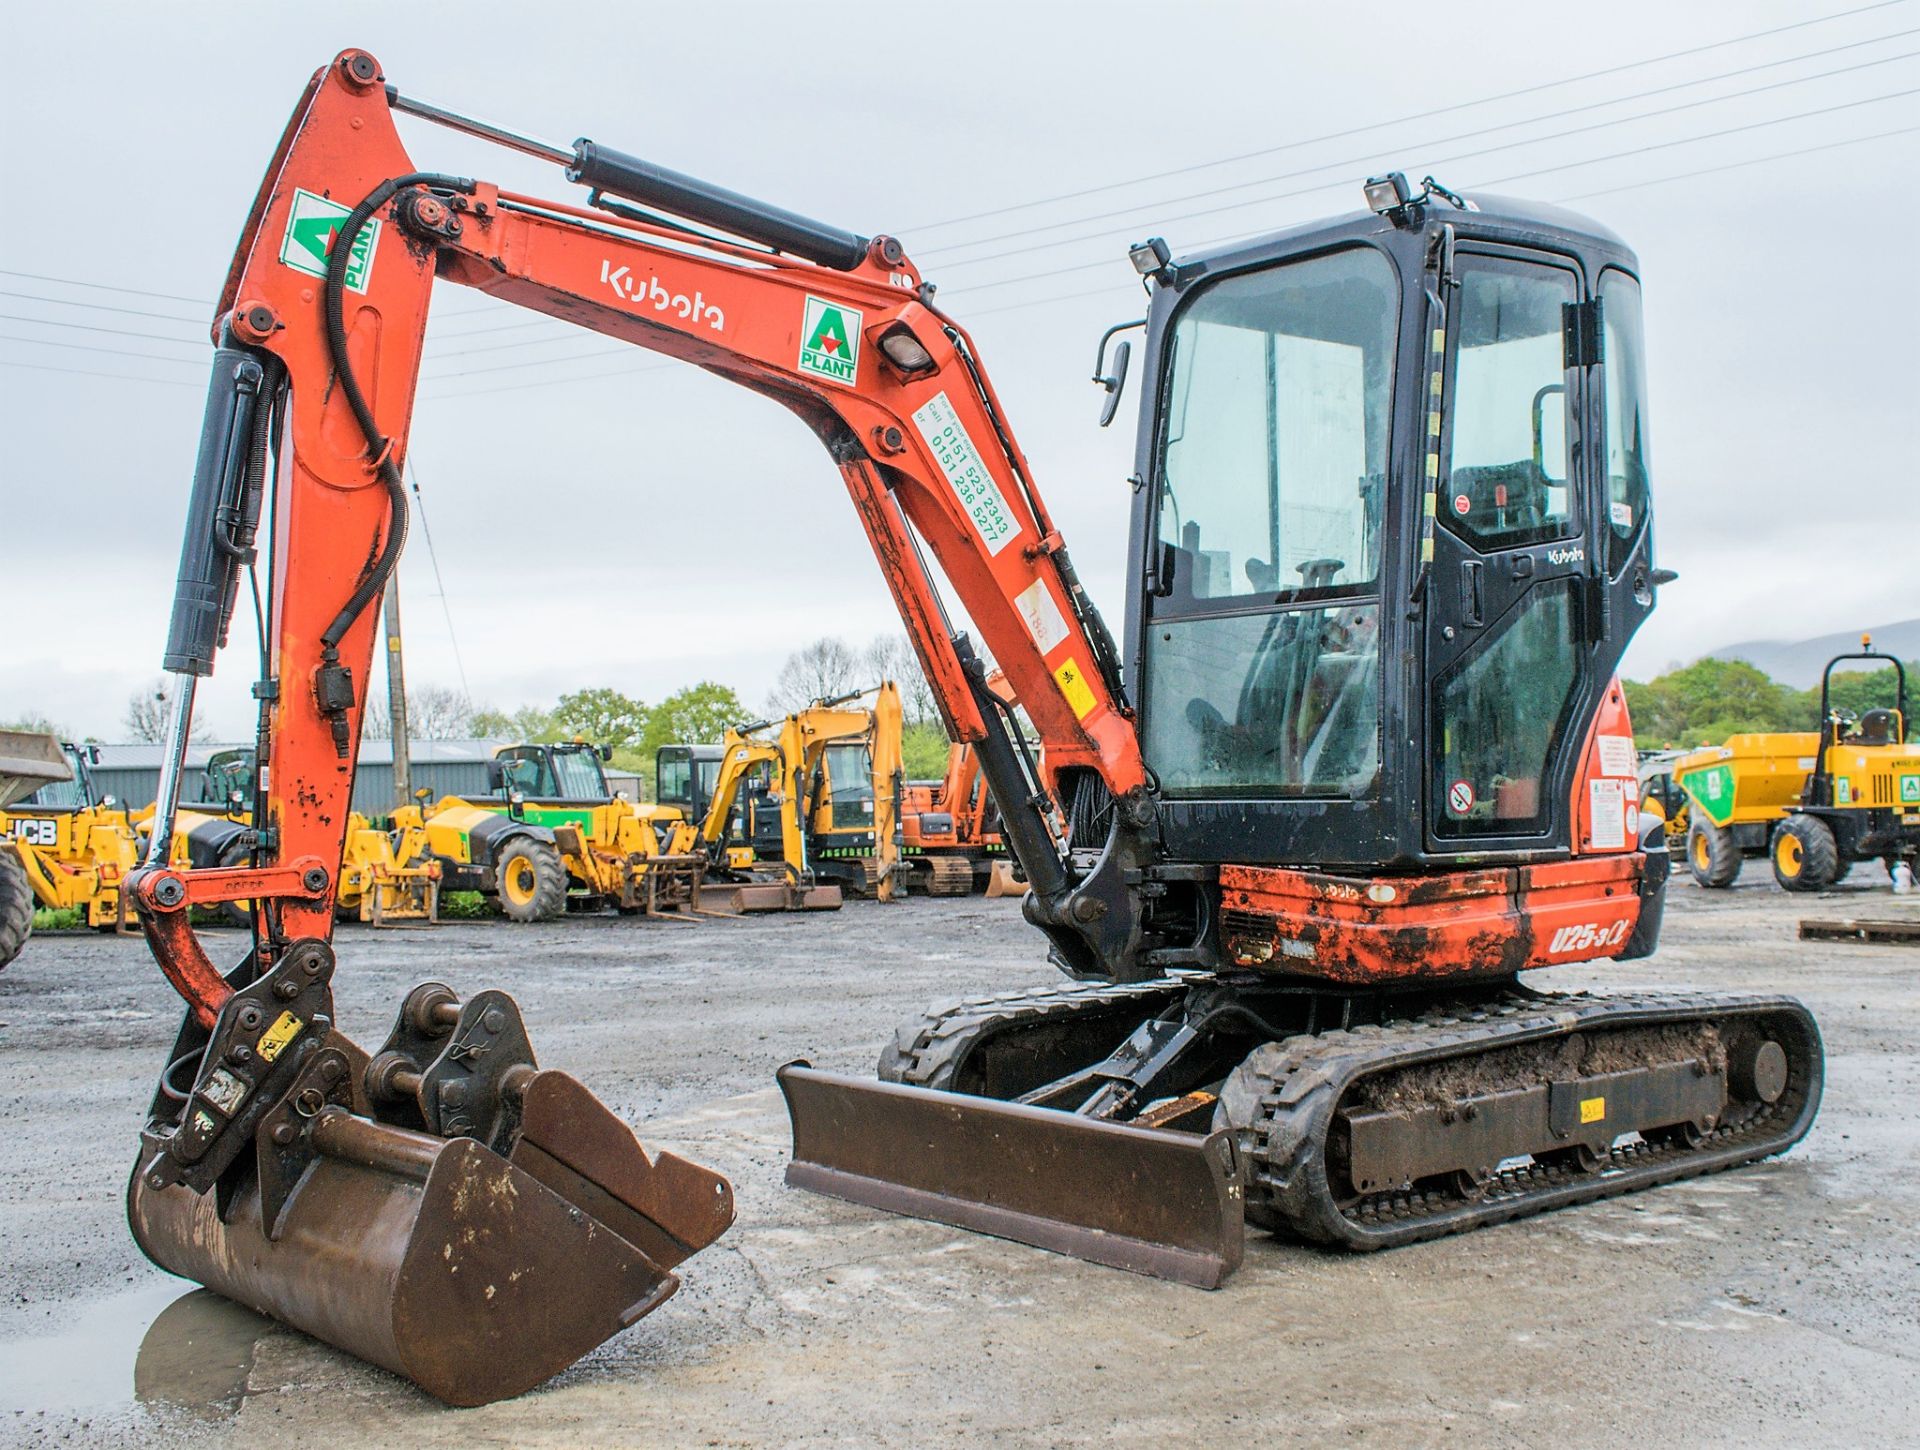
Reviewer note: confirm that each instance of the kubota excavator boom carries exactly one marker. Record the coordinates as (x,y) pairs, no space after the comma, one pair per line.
(1359,762)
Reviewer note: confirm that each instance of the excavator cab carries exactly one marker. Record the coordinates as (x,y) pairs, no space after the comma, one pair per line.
(1393,538)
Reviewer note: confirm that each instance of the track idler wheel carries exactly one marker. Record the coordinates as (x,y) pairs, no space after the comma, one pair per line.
(447,1210)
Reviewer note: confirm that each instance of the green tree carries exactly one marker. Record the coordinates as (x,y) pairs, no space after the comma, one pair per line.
(698,714)
(528,724)
(923,751)
(1711,699)
(603,716)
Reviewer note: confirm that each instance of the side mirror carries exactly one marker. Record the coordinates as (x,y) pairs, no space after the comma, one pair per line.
(93,754)
(496,776)
(1116,381)
(422,794)
(606,752)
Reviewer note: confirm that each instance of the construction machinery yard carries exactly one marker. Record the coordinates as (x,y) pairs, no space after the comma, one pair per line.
(1764,1306)
(1294,995)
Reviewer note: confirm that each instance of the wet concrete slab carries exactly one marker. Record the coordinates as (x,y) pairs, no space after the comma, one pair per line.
(1771,1305)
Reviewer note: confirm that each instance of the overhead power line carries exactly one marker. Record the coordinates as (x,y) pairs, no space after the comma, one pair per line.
(89,347)
(1361,161)
(1426,115)
(104,287)
(89,327)
(88,373)
(987,286)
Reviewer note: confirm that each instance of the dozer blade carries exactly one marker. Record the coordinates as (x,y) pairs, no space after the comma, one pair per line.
(1159,1203)
(473,1275)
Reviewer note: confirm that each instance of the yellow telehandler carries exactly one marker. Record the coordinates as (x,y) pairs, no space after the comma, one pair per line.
(66,847)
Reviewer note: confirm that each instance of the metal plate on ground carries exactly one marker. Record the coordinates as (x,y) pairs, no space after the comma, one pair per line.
(1157,1203)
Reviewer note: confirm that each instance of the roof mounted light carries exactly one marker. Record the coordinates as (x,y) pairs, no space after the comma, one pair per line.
(1152,259)
(1388,194)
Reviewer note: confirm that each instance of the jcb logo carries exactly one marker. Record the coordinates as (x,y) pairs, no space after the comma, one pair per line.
(35,831)
(1587,936)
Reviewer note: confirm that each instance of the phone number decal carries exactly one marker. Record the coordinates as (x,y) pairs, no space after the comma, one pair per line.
(979,495)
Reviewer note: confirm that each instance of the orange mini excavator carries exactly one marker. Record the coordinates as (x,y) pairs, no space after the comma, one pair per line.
(1355,764)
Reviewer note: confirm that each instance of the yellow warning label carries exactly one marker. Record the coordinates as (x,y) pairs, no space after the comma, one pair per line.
(1592,1110)
(1074,686)
(274,1040)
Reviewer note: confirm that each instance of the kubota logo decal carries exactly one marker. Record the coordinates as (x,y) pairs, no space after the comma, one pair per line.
(650,292)
(830,341)
(1586,936)
(312,226)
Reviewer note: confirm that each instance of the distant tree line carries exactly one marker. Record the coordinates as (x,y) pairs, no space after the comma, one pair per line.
(1711,699)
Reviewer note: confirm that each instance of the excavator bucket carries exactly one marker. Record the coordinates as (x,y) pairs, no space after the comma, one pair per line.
(475,1224)
(1166,1204)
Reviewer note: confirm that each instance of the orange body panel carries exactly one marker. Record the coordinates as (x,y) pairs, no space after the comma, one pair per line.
(1490,922)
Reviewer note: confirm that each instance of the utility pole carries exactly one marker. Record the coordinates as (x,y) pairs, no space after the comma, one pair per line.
(397,697)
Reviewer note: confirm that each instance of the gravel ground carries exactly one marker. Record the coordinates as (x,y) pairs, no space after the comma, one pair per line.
(1777,1304)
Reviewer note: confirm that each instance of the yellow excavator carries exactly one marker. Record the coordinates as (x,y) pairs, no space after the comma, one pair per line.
(792,814)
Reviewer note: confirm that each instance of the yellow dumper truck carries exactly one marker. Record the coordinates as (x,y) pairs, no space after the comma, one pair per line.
(1815,803)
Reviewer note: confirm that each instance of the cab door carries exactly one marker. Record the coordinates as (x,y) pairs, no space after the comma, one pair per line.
(1510,649)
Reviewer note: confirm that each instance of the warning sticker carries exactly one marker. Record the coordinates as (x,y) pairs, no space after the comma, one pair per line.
(1621,514)
(1074,686)
(953,450)
(1044,621)
(1462,504)
(1607,802)
(274,1040)
(312,226)
(1616,755)
(1592,1110)
(1460,797)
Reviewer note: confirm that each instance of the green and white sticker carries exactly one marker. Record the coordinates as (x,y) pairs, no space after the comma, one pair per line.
(1712,791)
(312,226)
(953,450)
(830,341)
(1910,790)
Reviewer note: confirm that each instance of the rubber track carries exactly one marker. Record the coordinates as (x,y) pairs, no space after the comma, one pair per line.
(1301,1080)
(928,1052)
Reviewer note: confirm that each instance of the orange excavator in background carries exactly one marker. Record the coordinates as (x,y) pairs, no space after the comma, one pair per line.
(1356,762)
(950,828)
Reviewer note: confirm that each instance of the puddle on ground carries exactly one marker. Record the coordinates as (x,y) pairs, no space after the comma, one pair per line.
(166,1344)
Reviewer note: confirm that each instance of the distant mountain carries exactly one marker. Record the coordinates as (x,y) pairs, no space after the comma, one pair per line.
(1799,662)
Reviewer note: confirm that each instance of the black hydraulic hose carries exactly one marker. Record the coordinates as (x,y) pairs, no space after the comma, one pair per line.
(338,260)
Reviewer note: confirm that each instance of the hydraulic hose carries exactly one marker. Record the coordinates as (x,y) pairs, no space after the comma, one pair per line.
(338,260)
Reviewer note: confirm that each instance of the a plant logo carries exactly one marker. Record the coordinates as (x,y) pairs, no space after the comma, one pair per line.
(830,341)
(312,225)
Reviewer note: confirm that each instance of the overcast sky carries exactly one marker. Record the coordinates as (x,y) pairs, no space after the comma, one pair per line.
(601,519)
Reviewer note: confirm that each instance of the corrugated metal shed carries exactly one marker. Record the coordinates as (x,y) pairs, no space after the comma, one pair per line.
(131,773)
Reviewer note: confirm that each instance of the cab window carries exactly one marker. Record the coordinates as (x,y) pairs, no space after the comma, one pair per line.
(1624,345)
(1507,481)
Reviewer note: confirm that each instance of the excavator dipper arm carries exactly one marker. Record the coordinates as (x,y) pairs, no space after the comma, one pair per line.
(323,317)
